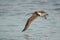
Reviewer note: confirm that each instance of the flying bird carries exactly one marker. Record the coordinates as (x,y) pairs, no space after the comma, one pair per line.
(34,16)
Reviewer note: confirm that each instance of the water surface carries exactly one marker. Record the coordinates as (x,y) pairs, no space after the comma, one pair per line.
(13,16)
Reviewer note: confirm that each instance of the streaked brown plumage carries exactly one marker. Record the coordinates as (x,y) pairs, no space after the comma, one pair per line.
(29,21)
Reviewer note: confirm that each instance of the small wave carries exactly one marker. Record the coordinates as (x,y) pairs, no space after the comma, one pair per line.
(56,4)
(57,9)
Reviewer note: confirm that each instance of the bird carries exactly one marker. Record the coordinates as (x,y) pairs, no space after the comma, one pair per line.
(33,17)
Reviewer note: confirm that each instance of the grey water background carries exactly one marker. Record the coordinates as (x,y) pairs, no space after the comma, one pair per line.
(14,14)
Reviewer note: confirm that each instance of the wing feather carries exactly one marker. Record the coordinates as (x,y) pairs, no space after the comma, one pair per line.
(29,21)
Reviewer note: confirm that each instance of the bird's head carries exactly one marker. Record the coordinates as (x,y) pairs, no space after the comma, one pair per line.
(42,14)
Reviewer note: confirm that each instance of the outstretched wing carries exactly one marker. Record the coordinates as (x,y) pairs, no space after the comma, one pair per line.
(29,21)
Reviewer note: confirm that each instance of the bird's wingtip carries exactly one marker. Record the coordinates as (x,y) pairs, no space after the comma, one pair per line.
(23,30)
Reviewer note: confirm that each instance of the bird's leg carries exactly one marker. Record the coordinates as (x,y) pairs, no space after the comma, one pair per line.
(45,17)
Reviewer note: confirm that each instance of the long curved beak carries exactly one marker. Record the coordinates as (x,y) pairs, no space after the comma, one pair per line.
(46,16)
